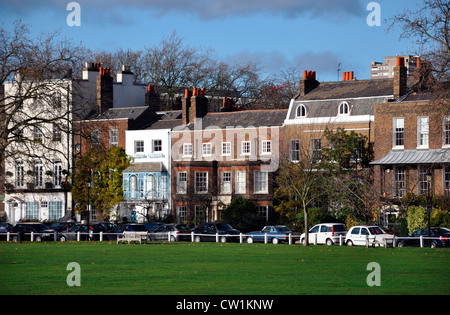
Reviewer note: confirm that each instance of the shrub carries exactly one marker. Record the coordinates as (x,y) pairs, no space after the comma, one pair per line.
(416,218)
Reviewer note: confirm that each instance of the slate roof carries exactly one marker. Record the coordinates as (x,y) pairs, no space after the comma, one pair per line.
(167,120)
(350,89)
(431,156)
(146,167)
(245,119)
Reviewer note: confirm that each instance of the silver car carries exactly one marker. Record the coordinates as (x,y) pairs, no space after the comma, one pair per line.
(171,233)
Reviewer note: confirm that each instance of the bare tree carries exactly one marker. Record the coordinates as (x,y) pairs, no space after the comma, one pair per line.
(428,27)
(35,104)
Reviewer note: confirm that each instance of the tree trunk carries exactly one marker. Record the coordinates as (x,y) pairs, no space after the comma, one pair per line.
(305,212)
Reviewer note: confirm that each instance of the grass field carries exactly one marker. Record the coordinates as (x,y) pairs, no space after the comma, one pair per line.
(216,269)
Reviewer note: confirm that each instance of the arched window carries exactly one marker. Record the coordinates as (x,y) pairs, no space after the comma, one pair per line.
(344,108)
(133,187)
(301,111)
(151,186)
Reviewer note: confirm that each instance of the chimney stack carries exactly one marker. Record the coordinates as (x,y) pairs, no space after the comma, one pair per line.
(347,76)
(105,98)
(194,105)
(125,76)
(400,78)
(308,83)
(152,99)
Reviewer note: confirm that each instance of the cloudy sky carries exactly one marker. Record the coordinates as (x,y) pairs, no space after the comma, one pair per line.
(308,34)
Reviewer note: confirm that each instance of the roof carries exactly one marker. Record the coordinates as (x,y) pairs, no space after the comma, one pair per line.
(349,89)
(146,167)
(123,112)
(167,120)
(244,119)
(431,156)
(330,108)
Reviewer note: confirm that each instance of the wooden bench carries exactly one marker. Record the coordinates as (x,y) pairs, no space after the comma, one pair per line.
(132,237)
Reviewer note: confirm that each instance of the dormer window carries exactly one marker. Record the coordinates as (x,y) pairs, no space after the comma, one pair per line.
(344,108)
(301,111)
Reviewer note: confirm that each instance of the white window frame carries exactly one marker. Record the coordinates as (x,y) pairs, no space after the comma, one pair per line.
(201,182)
(139,146)
(261,182)
(225,182)
(398,129)
(182,182)
(20,175)
(300,111)
(296,150)
(187,149)
(246,148)
(266,147)
(57,173)
(206,149)
(423,132)
(226,148)
(181,214)
(446,132)
(241,182)
(157,145)
(344,109)
(113,137)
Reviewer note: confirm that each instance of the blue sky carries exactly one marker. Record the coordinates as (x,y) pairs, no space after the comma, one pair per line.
(308,34)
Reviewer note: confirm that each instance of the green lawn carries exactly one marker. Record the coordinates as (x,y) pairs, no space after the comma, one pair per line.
(210,268)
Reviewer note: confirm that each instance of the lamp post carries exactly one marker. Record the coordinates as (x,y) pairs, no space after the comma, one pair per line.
(429,200)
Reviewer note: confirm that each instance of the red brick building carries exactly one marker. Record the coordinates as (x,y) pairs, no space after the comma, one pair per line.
(412,143)
(217,157)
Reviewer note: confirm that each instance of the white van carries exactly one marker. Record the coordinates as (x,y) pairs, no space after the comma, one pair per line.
(325,233)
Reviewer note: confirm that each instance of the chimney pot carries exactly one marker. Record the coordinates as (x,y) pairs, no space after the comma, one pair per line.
(305,74)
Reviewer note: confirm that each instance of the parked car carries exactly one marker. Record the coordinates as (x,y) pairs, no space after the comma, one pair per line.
(374,235)
(41,232)
(209,230)
(325,233)
(5,227)
(119,229)
(61,226)
(108,226)
(275,234)
(440,235)
(178,232)
(88,232)
(151,226)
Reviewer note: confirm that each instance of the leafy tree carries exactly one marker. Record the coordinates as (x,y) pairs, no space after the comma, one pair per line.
(103,170)
(241,214)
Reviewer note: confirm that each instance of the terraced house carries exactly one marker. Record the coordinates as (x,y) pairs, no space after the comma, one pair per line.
(412,141)
(223,155)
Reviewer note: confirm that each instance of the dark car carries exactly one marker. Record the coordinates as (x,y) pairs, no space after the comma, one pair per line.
(41,232)
(207,232)
(151,226)
(108,226)
(129,227)
(275,234)
(88,232)
(171,232)
(5,227)
(61,226)
(439,238)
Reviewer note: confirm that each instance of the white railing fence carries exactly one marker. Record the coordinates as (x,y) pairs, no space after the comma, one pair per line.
(240,238)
